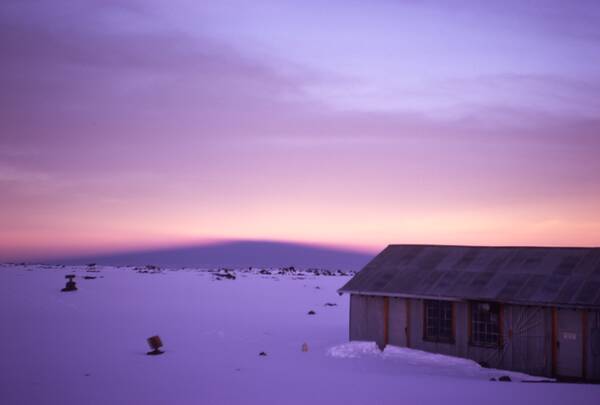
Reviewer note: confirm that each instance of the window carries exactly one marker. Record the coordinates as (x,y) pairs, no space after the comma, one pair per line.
(438,321)
(485,324)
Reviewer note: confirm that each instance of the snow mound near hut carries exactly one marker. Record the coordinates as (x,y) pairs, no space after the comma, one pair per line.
(425,362)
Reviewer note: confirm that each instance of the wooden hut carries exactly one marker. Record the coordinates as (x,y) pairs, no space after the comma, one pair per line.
(530,309)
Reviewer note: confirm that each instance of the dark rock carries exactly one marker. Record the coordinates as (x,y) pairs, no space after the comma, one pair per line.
(71,286)
(505,378)
(89,277)
(311,312)
(155,343)
(262,354)
(330,304)
(492,379)
(227,275)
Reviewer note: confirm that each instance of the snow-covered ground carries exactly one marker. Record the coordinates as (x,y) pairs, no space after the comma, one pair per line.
(88,346)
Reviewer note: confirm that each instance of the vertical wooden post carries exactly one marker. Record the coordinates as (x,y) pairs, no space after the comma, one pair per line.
(423,319)
(500,326)
(386,320)
(584,341)
(453,315)
(554,341)
(469,321)
(407,328)
(350,318)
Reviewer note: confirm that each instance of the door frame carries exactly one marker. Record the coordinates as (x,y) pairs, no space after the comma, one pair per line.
(555,343)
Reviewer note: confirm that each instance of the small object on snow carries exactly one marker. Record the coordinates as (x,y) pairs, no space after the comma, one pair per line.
(304,347)
(317,288)
(226,274)
(71,286)
(155,344)
(492,379)
(262,354)
(505,378)
(311,312)
(91,268)
(89,277)
(330,304)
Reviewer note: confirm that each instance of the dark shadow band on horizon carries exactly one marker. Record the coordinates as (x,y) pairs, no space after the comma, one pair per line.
(237,254)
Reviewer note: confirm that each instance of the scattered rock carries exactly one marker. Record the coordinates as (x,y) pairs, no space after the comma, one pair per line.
(71,286)
(262,354)
(91,268)
(287,270)
(225,273)
(311,312)
(505,378)
(155,343)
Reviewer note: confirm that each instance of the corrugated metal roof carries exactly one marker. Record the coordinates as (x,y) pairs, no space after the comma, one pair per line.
(527,275)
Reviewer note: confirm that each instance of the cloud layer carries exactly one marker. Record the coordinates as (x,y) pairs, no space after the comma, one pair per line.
(127,124)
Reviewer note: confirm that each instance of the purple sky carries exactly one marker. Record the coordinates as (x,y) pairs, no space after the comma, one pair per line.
(357,124)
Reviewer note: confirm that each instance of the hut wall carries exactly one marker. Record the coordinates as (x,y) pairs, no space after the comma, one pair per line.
(593,346)
(526,338)
(527,342)
(366,318)
(397,322)
(494,357)
(416,331)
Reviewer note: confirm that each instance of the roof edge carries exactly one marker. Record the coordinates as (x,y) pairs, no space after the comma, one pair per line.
(491,246)
(458,299)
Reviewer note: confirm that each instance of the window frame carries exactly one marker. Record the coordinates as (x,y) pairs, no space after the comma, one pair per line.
(485,327)
(442,305)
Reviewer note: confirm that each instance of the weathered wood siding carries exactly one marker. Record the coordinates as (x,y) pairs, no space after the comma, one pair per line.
(527,334)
